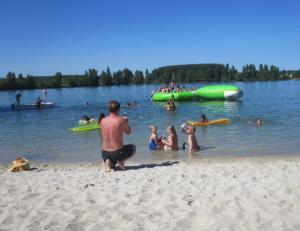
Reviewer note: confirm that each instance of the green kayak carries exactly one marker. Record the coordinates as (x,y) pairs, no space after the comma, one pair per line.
(85,128)
(215,92)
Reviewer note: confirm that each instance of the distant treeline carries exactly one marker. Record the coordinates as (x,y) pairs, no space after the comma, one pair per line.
(190,73)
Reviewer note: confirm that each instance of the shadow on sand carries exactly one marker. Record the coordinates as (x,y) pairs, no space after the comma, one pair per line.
(153,165)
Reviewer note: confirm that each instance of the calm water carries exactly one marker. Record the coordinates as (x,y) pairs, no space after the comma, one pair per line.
(43,135)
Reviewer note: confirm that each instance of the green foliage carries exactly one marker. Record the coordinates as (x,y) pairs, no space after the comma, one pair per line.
(138,77)
(177,74)
(106,78)
(127,76)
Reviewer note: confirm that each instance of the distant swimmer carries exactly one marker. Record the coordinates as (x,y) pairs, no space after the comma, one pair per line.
(170,106)
(171,143)
(258,122)
(18,98)
(155,143)
(203,119)
(130,105)
(38,103)
(191,143)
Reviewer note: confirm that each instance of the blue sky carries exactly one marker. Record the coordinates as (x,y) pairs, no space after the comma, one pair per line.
(46,36)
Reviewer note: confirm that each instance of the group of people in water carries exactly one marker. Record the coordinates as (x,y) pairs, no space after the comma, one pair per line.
(171,142)
(113,126)
(38,102)
(173,88)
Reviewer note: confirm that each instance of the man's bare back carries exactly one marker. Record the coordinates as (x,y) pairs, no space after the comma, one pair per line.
(112,129)
(114,152)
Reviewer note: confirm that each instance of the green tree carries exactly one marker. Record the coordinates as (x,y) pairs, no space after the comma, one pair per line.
(106,78)
(11,81)
(138,77)
(147,77)
(126,76)
(91,78)
(57,80)
(31,84)
(274,72)
(117,76)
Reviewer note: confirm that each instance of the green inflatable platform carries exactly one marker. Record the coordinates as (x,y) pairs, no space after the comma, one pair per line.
(214,92)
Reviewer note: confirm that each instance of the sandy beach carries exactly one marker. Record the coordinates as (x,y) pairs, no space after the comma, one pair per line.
(209,194)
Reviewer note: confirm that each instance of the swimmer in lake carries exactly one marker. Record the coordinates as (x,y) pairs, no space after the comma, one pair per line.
(258,122)
(203,119)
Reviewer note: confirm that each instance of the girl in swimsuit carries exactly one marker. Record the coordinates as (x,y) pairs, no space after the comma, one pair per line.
(172,142)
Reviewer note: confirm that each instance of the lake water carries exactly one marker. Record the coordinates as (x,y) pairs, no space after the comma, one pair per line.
(43,135)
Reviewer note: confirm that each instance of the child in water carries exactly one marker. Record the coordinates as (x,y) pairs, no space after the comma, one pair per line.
(155,143)
(191,142)
(101,116)
(203,119)
(258,122)
(171,144)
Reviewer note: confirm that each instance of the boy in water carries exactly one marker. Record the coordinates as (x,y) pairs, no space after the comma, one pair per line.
(155,143)
(191,142)
(203,119)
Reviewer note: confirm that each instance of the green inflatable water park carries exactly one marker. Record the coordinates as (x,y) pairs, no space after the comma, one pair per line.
(214,92)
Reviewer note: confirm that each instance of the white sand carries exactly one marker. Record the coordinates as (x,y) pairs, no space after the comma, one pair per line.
(210,194)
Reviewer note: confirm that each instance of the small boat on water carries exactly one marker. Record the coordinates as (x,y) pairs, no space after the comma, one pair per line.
(32,106)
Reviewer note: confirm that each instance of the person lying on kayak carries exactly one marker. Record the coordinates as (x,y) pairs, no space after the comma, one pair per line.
(191,143)
(155,143)
(86,119)
(203,119)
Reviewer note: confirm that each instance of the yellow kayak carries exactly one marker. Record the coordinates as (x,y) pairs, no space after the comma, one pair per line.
(211,122)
